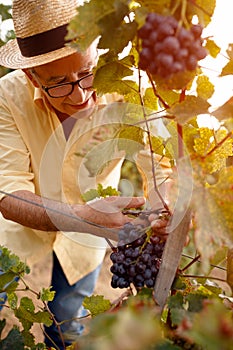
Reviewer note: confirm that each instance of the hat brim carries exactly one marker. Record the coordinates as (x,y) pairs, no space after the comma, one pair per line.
(11,57)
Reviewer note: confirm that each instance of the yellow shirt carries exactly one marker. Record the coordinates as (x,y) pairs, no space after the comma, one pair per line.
(35,156)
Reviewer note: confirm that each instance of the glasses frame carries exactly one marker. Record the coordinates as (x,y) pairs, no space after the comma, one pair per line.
(72,83)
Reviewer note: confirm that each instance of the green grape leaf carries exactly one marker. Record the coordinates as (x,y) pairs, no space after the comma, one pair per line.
(11,262)
(4,10)
(121,32)
(115,17)
(167,345)
(12,300)
(27,315)
(195,301)
(107,191)
(188,109)
(215,319)
(119,38)
(176,301)
(225,111)
(169,96)
(79,28)
(161,147)
(210,289)
(212,48)
(131,139)
(150,100)
(96,304)
(158,6)
(29,339)
(99,192)
(109,78)
(213,206)
(100,156)
(14,340)
(46,294)
(6,278)
(178,315)
(90,195)
(10,288)
(205,88)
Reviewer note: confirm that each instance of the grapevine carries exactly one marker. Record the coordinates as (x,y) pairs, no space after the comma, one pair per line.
(167,45)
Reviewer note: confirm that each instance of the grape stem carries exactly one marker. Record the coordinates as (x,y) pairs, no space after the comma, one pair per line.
(116,303)
(205,277)
(180,130)
(164,103)
(191,263)
(58,325)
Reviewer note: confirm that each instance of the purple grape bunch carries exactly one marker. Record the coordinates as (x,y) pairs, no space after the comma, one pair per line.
(136,259)
(168,48)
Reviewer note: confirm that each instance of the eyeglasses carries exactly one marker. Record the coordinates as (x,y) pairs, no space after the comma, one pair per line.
(65,89)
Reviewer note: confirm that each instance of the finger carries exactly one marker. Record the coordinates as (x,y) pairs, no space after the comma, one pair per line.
(132,202)
(159,223)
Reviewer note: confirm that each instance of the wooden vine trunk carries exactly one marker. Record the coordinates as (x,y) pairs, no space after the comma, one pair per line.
(170,259)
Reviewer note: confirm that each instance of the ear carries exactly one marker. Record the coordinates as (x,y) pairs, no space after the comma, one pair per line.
(31,77)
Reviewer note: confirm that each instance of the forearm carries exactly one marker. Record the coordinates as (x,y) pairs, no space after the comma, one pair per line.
(101,218)
(30,210)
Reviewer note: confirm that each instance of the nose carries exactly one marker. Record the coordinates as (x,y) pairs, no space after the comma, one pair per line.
(78,95)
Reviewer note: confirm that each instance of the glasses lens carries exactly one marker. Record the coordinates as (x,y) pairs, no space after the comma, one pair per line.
(86,82)
(60,91)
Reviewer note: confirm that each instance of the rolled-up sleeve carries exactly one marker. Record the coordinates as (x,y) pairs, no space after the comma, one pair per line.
(15,171)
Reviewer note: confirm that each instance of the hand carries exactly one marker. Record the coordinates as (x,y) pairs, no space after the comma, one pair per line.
(159,224)
(107,211)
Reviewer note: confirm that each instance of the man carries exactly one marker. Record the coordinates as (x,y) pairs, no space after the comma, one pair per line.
(42,170)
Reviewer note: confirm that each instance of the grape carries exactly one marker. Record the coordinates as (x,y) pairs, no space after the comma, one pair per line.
(167,47)
(196,30)
(136,261)
(154,19)
(171,44)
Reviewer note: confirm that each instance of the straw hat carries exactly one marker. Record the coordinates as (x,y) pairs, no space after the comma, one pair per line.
(40,27)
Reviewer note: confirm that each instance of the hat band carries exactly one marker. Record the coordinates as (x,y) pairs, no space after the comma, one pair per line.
(42,43)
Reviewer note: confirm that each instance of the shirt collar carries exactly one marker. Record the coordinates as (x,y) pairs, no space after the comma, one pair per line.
(41,101)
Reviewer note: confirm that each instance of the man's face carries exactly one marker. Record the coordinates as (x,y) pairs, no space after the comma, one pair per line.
(65,70)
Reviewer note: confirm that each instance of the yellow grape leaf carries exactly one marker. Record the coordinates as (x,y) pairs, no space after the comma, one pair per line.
(189,108)
(155,5)
(177,81)
(213,207)
(202,144)
(212,148)
(150,100)
(230,268)
(212,48)
(205,88)
(227,69)
(203,9)
(225,111)
(230,51)
(169,96)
